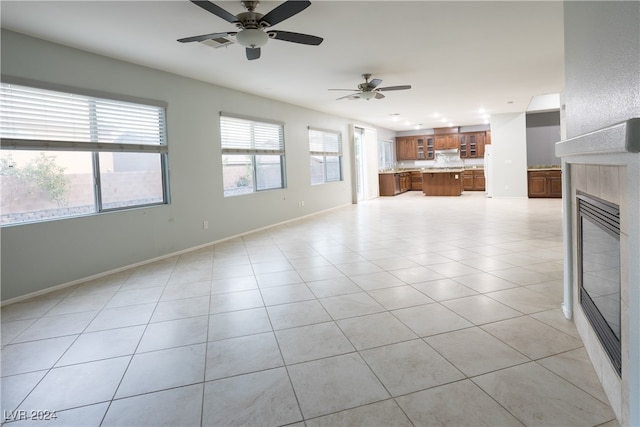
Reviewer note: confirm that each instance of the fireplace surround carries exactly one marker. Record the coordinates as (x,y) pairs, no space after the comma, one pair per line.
(605,166)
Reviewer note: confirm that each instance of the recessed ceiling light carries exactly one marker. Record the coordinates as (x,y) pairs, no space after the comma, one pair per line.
(443,120)
(407,123)
(436,115)
(481,111)
(485,116)
(450,124)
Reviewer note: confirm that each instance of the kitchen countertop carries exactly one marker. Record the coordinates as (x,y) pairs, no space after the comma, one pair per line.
(544,168)
(442,170)
(430,169)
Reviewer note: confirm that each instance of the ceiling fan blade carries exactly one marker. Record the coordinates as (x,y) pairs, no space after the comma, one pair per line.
(253,53)
(351,96)
(205,37)
(374,83)
(379,95)
(216,10)
(403,87)
(284,11)
(351,90)
(295,37)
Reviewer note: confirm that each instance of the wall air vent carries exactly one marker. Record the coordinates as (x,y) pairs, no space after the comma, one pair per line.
(219,42)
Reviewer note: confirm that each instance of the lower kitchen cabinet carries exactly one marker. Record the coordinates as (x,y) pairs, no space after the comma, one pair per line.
(416,181)
(545,183)
(391,184)
(473,180)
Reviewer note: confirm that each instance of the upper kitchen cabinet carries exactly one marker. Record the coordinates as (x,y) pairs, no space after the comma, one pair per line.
(446,142)
(429,147)
(414,148)
(423,147)
(446,138)
(404,148)
(472,145)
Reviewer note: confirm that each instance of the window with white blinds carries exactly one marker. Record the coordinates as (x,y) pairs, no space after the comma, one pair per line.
(252,154)
(66,153)
(325,148)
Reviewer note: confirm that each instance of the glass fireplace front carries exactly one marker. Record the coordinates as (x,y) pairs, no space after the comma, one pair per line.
(599,270)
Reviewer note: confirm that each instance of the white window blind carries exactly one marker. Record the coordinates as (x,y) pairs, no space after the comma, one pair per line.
(34,118)
(243,136)
(323,142)
(325,148)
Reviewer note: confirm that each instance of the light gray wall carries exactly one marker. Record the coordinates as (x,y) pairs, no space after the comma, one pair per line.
(543,131)
(40,255)
(602,64)
(509,166)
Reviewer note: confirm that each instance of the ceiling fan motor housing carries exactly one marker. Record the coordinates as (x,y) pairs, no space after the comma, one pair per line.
(250,20)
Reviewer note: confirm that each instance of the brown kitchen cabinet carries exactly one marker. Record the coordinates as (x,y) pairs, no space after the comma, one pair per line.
(416,181)
(391,184)
(473,180)
(414,148)
(405,148)
(446,142)
(545,183)
(429,147)
(472,145)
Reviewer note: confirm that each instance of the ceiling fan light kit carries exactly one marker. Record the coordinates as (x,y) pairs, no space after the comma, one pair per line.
(251,25)
(252,38)
(367,95)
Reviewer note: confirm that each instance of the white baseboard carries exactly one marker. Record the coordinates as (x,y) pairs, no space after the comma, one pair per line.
(149,261)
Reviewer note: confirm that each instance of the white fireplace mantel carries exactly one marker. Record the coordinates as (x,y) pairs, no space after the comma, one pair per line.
(620,138)
(607,161)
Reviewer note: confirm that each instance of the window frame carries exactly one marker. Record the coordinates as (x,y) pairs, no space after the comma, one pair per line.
(251,148)
(95,146)
(323,149)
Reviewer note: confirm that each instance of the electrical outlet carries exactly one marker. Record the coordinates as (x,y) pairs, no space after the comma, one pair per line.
(302,204)
(205,225)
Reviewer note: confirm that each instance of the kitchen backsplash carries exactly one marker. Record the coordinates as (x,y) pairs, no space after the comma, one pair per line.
(408,164)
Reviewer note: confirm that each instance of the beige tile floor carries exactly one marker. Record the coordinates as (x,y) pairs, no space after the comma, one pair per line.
(400,311)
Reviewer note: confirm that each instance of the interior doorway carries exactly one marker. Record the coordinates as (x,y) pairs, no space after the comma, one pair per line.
(358,136)
(365,164)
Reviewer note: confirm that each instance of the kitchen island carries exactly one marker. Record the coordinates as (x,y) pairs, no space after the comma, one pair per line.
(442,182)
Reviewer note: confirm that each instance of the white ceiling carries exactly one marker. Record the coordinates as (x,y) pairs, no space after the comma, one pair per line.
(459,57)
